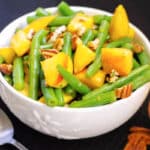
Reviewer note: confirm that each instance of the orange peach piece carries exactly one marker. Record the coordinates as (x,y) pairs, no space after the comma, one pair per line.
(119,59)
(49,66)
(96,81)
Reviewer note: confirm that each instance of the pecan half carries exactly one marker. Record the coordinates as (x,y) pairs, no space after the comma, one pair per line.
(48,53)
(6,68)
(124,91)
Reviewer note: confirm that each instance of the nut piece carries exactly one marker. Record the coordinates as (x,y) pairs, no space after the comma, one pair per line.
(6,69)
(75,41)
(48,53)
(113,76)
(58,44)
(138,139)
(30,34)
(137,47)
(124,91)
(93,44)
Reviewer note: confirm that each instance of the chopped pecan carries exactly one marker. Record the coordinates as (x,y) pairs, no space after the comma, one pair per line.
(137,47)
(6,68)
(48,53)
(93,44)
(30,34)
(124,91)
(75,41)
(58,44)
(57,32)
(113,76)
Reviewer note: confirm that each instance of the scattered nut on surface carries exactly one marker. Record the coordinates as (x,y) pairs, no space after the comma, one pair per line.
(138,139)
(58,44)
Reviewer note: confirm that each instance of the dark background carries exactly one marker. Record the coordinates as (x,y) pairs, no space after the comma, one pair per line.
(138,11)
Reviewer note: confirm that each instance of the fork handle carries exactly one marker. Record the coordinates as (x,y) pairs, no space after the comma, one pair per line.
(18,145)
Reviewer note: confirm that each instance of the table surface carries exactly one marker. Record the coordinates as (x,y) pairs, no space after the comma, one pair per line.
(138,11)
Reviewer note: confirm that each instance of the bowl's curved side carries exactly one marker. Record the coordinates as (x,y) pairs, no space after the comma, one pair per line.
(74,124)
(69,123)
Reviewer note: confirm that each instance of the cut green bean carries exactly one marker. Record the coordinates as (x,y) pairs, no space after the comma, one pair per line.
(69,90)
(103,33)
(46,46)
(67,48)
(143,58)
(60,97)
(141,79)
(41,12)
(119,42)
(34,64)
(101,99)
(119,83)
(49,94)
(53,28)
(32,18)
(128,46)
(87,36)
(99,18)
(75,83)
(8,78)
(61,20)
(18,73)
(65,9)
(1,59)
(135,64)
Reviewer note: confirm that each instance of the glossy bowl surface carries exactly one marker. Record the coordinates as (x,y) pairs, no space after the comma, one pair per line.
(70,123)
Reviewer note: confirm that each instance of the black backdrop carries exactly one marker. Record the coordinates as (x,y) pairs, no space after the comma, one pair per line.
(139,14)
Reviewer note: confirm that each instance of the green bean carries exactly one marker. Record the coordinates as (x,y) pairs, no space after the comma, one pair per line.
(87,36)
(135,64)
(75,83)
(119,42)
(1,59)
(65,9)
(121,82)
(41,12)
(8,78)
(67,48)
(60,97)
(101,99)
(103,33)
(18,73)
(31,18)
(128,46)
(61,20)
(141,79)
(53,28)
(49,94)
(46,46)
(34,64)
(143,58)
(69,90)
(99,18)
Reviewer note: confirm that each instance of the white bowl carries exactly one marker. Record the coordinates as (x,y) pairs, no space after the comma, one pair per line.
(70,123)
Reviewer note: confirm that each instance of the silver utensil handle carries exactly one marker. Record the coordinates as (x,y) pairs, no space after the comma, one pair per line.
(18,145)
